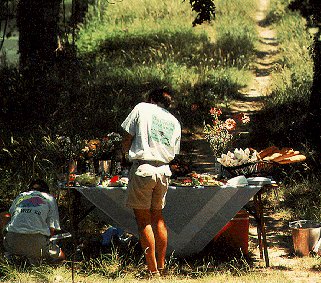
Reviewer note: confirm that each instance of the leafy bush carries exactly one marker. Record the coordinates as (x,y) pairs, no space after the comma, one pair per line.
(303,197)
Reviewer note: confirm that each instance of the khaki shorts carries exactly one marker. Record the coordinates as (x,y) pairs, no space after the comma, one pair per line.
(147,187)
(33,246)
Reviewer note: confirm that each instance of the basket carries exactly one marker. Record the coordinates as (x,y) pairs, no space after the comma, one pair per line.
(259,168)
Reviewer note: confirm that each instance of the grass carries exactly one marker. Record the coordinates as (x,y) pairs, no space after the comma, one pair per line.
(135,45)
(303,196)
(207,271)
(231,272)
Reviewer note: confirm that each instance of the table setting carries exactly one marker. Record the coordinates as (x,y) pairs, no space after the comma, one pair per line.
(198,204)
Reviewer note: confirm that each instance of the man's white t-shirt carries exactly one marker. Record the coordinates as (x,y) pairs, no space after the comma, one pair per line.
(33,212)
(156,132)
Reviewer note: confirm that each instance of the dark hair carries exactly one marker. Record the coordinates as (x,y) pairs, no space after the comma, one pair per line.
(43,187)
(161,95)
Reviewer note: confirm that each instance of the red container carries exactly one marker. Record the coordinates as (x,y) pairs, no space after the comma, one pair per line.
(235,234)
(4,219)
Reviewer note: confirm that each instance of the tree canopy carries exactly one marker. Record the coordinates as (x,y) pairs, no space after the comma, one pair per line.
(205,10)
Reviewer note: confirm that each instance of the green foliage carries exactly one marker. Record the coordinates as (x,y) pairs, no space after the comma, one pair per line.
(285,110)
(236,32)
(205,11)
(277,10)
(303,196)
(124,50)
(38,155)
(146,45)
(125,263)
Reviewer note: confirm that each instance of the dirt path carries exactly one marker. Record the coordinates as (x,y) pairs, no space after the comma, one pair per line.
(266,56)
(252,95)
(279,237)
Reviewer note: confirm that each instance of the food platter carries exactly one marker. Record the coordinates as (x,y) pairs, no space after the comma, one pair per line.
(190,180)
(197,180)
(251,163)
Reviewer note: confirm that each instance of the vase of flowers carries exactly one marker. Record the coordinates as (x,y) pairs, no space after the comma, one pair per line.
(221,133)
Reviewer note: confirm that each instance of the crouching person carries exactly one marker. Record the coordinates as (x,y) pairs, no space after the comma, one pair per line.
(34,218)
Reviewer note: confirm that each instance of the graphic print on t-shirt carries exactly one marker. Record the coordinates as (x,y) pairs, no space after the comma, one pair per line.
(30,201)
(161,130)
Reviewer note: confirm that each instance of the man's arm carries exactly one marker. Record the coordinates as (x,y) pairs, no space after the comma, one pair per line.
(126,142)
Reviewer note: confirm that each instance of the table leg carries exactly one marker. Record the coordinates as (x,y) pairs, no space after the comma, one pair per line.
(261,225)
(72,209)
(73,215)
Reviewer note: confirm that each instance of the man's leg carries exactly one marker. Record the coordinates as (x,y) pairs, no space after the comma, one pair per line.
(147,240)
(160,234)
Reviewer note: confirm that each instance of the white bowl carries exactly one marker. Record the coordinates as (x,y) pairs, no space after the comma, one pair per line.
(239,181)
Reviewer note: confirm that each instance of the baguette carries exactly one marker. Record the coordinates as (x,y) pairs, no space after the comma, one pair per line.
(287,155)
(293,159)
(272,157)
(267,151)
(286,150)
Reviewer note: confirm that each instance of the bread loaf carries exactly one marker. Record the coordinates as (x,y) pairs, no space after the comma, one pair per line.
(290,153)
(273,156)
(293,159)
(267,151)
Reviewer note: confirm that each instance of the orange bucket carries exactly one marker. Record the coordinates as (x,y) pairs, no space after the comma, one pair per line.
(235,234)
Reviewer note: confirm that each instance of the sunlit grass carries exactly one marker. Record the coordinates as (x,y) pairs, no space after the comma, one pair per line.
(104,270)
(228,273)
(293,78)
(141,44)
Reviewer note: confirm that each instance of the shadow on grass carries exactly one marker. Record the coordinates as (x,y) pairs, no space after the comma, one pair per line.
(279,125)
(105,84)
(183,47)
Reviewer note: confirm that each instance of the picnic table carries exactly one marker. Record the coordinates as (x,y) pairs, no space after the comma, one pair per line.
(194,215)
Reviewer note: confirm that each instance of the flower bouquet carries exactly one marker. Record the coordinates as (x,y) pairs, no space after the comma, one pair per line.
(220,133)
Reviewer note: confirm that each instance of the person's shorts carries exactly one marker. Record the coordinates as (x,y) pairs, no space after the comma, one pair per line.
(35,247)
(147,187)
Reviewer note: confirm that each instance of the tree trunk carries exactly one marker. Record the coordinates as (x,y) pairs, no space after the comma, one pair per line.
(79,10)
(37,22)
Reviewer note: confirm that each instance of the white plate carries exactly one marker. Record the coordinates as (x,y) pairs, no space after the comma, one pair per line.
(259,181)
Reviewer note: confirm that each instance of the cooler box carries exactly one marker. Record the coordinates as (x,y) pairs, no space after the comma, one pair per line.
(234,236)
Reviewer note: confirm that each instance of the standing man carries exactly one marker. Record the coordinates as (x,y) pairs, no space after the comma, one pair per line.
(152,139)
